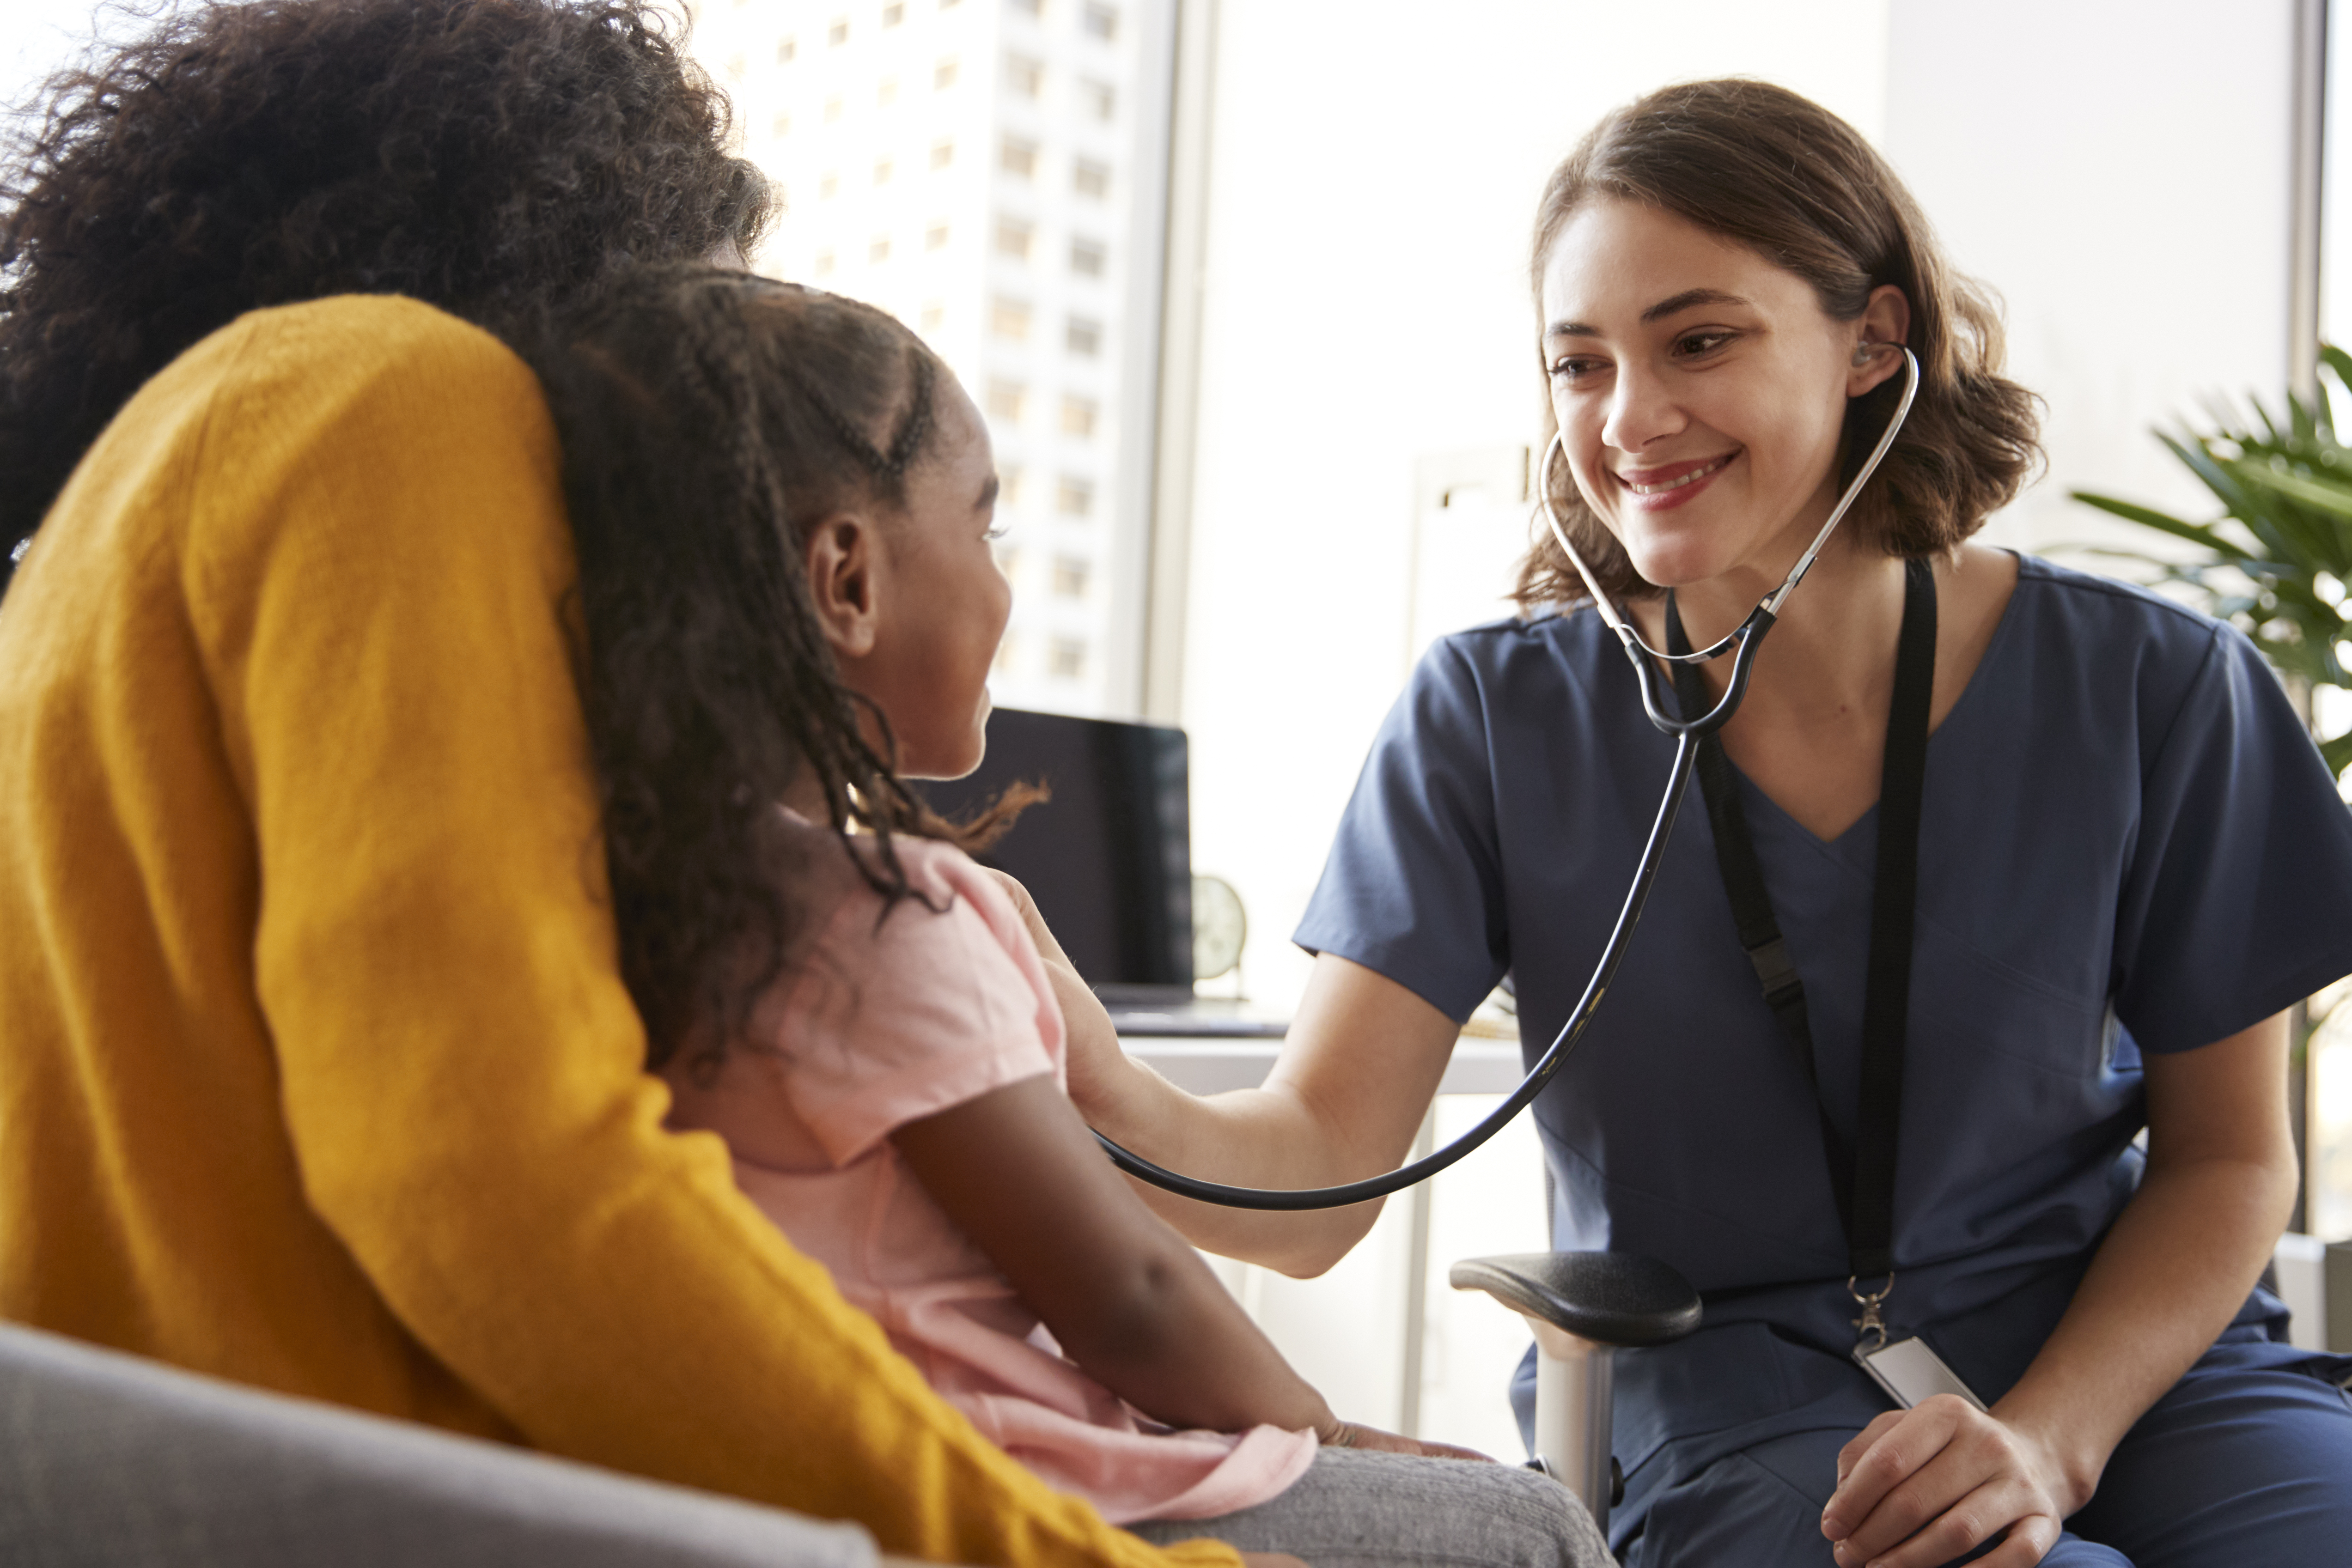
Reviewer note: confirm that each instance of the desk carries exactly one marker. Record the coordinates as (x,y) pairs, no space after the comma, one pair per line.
(1478,1066)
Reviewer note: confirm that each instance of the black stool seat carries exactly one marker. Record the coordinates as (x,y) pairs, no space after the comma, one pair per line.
(1607,1298)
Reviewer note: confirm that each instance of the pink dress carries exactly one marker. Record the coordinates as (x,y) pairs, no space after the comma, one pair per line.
(873,1028)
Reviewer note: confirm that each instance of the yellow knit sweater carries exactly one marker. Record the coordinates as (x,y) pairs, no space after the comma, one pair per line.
(316,1070)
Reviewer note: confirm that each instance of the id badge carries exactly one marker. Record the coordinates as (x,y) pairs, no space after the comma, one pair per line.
(1912,1373)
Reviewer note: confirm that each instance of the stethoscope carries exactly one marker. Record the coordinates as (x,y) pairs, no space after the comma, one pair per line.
(1741,643)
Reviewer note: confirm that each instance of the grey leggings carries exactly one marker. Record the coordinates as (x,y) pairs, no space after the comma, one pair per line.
(1386,1510)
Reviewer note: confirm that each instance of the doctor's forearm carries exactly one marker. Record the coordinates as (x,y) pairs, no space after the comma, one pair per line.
(2181,1257)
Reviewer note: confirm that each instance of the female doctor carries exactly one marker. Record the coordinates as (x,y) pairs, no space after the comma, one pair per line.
(2129,862)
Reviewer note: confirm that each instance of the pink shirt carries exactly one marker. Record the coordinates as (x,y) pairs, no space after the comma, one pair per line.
(872,1029)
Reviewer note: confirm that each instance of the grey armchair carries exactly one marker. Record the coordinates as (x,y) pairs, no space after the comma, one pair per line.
(110,1461)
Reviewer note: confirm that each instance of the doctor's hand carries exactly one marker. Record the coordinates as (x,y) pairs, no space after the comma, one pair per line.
(1924,1486)
(1095,1056)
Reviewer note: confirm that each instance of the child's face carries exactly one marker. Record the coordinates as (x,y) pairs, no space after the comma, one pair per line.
(943,603)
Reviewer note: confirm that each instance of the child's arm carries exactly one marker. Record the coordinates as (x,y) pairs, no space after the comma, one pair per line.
(1127,1298)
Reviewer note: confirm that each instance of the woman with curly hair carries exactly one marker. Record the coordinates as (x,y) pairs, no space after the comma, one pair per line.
(322,1071)
(489,157)
(2007,866)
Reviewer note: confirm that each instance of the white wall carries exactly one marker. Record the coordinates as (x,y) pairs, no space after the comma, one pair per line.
(2119,171)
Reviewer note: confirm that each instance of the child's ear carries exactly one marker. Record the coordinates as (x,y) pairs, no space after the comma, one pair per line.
(843,558)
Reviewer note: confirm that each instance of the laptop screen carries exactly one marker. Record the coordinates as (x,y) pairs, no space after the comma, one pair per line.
(1110,858)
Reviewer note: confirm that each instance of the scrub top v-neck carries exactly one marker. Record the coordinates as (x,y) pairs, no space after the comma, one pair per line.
(2128,845)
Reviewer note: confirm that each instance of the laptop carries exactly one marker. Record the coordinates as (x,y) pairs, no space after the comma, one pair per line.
(1108,859)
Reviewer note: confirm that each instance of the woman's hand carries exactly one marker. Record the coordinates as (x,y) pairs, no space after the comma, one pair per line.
(1337,1433)
(1924,1486)
(1095,1057)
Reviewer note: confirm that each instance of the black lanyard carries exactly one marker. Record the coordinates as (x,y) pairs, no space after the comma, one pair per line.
(1862,1177)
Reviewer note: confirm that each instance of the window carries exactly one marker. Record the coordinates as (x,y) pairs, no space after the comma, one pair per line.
(1004,400)
(1089,178)
(781,126)
(1066,658)
(942,154)
(1098,98)
(1008,495)
(1069,577)
(827,186)
(1013,239)
(1102,22)
(1086,257)
(1075,498)
(786,50)
(1017,157)
(934,317)
(893,15)
(1009,318)
(943,75)
(838,33)
(1083,337)
(831,109)
(879,249)
(736,66)
(824,263)
(887,93)
(936,237)
(1024,75)
(882,171)
(1004,649)
(1078,417)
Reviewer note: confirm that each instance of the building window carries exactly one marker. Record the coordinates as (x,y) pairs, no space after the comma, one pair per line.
(887,93)
(1069,577)
(942,154)
(893,15)
(1004,649)
(880,248)
(785,49)
(1004,400)
(1102,22)
(1083,337)
(936,237)
(831,109)
(1017,157)
(838,33)
(781,126)
(1009,318)
(1066,658)
(736,66)
(1099,98)
(1024,75)
(824,264)
(882,171)
(934,317)
(1012,237)
(1074,497)
(1089,178)
(1086,257)
(943,75)
(1008,495)
(827,186)
(1078,417)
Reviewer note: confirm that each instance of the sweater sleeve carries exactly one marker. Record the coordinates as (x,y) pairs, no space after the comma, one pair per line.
(377,569)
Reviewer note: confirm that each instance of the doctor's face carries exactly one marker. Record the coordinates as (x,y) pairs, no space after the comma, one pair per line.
(1701,392)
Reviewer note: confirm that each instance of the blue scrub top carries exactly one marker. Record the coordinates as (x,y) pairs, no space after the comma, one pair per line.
(2128,844)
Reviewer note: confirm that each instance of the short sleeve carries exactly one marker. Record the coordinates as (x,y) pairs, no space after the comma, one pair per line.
(941,1000)
(1413,886)
(2237,898)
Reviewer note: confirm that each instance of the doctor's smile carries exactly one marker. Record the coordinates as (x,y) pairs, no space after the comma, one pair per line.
(1672,483)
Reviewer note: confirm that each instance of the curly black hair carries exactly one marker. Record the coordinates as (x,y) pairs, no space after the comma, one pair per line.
(708,419)
(485,156)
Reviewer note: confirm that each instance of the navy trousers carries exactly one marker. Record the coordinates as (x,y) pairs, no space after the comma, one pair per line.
(2245,1461)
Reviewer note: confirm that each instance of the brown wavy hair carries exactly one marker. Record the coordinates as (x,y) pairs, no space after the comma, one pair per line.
(485,156)
(1784,176)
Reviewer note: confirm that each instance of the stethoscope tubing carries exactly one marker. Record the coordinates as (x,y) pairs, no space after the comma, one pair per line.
(1742,644)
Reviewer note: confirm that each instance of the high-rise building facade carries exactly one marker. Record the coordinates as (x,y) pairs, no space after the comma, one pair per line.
(990,173)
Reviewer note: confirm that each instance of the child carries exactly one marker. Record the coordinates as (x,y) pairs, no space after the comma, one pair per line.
(782,505)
